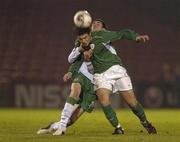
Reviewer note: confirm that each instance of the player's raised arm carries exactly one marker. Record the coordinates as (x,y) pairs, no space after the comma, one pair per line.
(128,34)
(110,36)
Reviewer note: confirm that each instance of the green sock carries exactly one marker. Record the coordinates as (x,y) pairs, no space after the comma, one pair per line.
(139,112)
(110,115)
(71,100)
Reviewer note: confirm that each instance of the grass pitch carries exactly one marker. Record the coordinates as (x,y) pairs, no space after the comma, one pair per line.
(20,125)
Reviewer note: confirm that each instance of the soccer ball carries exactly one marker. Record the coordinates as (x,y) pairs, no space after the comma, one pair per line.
(82,19)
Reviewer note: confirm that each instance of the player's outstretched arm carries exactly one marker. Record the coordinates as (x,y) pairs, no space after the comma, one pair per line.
(110,36)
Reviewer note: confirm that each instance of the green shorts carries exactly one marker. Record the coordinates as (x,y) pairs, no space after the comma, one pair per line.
(87,96)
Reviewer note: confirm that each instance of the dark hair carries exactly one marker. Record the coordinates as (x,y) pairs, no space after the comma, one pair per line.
(81,31)
(103,24)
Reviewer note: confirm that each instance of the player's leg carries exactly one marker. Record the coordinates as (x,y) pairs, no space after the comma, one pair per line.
(76,115)
(86,101)
(53,126)
(124,85)
(70,102)
(68,108)
(135,106)
(138,110)
(104,83)
(103,97)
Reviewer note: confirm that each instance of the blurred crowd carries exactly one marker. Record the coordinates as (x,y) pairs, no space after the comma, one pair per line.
(164,91)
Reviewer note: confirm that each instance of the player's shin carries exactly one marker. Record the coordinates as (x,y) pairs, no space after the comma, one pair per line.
(112,118)
(111,115)
(139,112)
(67,111)
(65,115)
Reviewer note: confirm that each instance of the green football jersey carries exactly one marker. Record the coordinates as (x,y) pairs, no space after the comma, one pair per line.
(103,58)
(74,67)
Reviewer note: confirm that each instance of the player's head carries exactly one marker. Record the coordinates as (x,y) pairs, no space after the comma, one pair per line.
(81,31)
(84,35)
(98,25)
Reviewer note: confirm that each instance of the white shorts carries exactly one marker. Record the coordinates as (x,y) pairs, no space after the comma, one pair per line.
(114,79)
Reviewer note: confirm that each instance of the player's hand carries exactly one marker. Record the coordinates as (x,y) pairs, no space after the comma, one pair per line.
(84,47)
(142,38)
(81,49)
(88,54)
(67,76)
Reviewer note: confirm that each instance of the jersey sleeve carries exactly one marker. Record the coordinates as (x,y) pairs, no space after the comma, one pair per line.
(74,55)
(110,36)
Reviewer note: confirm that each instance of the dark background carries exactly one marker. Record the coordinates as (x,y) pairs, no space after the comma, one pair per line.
(36,36)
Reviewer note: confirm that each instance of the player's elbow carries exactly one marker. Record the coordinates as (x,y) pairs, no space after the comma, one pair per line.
(70,60)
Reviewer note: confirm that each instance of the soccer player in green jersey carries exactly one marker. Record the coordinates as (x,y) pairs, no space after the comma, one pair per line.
(85,85)
(110,75)
(81,99)
(86,103)
(102,27)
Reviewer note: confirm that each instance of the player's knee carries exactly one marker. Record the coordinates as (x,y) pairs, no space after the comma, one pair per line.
(104,102)
(103,96)
(75,90)
(130,98)
(133,103)
(74,94)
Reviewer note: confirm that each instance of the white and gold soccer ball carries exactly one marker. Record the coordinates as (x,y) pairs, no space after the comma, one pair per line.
(82,19)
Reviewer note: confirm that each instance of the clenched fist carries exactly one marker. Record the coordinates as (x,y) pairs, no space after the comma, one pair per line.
(88,54)
(67,76)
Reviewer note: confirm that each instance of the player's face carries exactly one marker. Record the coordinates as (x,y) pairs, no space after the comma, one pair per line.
(97,26)
(85,39)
